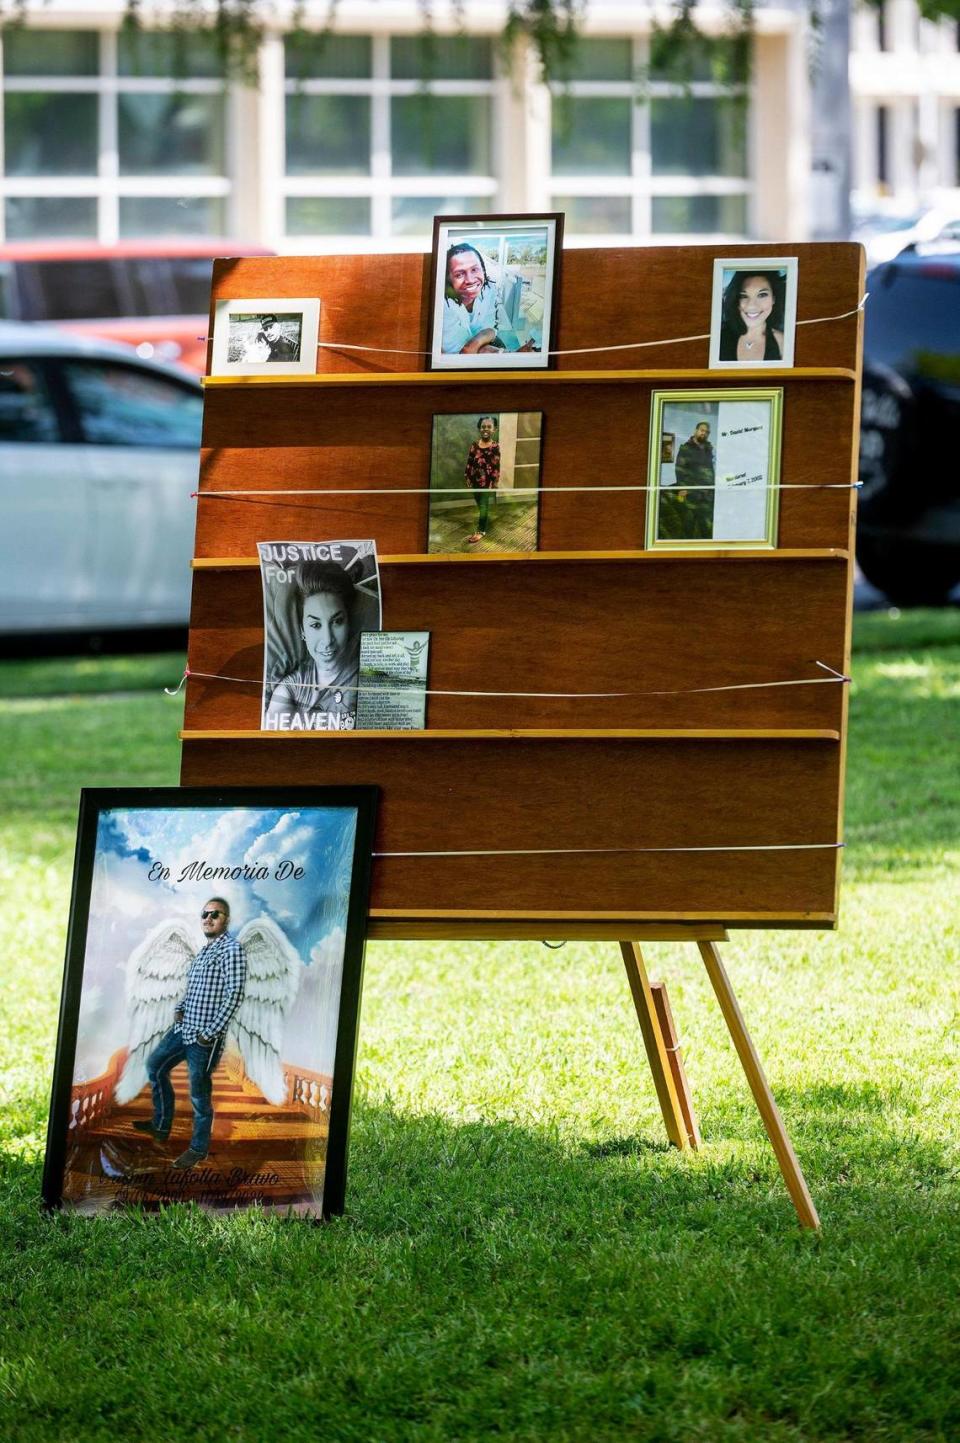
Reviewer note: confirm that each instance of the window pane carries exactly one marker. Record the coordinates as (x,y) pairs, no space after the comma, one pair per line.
(171,134)
(328,215)
(51,52)
(441,57)
(50,134)
(719,58)
(595,214)
(50,216)
(598,60)
(591,137)
(153,215)
(123,406)
(328,135)
(413,215)
(26,411)
(440,135)
(698,137)
(699,215)
(328,57)
(187,54)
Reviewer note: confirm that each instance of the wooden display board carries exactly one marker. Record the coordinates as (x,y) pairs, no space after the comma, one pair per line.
(580,792)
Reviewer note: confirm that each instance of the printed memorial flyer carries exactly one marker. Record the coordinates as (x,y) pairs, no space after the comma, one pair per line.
(393,680)
(318,597)
(210,976)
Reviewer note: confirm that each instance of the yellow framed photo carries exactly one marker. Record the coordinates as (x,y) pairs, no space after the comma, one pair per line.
(718,483)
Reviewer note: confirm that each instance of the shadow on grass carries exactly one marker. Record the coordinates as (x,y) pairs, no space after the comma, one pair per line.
(491,1279)
(424,1171)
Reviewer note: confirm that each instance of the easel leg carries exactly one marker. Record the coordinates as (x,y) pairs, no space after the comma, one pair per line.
(769,1112)
(654,1043)
(675,1057)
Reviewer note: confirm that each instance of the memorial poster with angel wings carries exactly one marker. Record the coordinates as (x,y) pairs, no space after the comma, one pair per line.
(211,997)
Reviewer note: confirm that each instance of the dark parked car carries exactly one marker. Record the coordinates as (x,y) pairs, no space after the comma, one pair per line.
(908,532)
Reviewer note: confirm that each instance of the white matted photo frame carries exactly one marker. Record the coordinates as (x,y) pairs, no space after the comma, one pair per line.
(753,315)
(718,484)
(266,336)
(494,291)
(211,995)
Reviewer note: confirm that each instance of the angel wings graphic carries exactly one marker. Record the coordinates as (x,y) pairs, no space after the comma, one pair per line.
(156,975)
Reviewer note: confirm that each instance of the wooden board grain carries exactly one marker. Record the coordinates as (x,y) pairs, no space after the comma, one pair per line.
(572,627)
(352,441)
(591,796)
(608,297)
(584,623)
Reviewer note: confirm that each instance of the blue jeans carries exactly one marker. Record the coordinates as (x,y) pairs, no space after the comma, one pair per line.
(169,1051)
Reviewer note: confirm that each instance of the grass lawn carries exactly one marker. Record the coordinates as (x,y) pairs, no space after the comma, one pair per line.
(523,1257)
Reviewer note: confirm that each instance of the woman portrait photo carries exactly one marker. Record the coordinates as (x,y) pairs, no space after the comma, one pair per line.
(313,621)
(484,479)
(493,296)
(754,312)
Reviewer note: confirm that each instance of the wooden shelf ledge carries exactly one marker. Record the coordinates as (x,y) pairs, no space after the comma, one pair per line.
(558,734)
(385,925)
(823,553)
(494,377)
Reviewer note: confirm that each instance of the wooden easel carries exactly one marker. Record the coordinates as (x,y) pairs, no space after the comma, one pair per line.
(656,1025)
(631,787)
(670,1080)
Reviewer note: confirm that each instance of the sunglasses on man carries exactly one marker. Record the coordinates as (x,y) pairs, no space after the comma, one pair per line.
(213,912)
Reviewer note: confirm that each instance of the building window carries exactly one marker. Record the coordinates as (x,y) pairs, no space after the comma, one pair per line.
(883,145)
(382,133)
(100,142)
(668,158)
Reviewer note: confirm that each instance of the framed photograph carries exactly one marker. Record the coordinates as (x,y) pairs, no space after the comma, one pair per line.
(494,291)
(484,481)
(720,485)
(318,598)
(208,1021)
(265,337)
(753,318)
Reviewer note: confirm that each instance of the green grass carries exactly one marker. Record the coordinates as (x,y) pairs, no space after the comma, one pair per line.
(522,1256)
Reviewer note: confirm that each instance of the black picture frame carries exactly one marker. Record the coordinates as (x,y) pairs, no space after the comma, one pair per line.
(542,359)
(138,1168)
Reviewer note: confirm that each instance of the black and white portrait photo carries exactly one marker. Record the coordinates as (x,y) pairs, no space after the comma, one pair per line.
(318,597)
(265,337)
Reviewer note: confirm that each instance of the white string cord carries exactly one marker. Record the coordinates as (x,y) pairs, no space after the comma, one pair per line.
(527,490)
(833,677)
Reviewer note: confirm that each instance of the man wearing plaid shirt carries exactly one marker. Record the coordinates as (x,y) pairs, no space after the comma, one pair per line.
(215,983)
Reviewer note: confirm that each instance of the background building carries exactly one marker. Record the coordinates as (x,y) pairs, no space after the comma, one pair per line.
(351,143)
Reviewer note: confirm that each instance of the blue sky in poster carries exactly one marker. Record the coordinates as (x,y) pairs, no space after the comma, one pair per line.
(148,870)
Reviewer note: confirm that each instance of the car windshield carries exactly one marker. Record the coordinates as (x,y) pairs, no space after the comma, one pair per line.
(913,319)
(111,289)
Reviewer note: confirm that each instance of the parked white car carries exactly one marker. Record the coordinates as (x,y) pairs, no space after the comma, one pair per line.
(99,452)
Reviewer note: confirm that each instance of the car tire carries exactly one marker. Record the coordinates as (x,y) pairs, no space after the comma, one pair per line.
(909,573)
